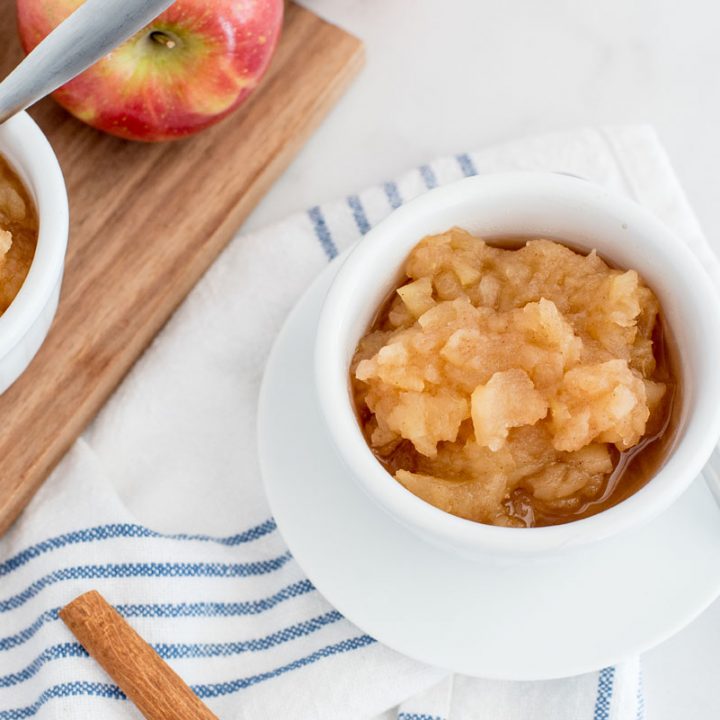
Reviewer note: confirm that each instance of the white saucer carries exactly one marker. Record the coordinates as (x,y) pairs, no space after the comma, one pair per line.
(530,621)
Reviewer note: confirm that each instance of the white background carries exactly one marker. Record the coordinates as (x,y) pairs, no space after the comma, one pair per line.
(445,76)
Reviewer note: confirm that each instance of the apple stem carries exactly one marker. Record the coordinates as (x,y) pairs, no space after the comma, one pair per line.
(163,39)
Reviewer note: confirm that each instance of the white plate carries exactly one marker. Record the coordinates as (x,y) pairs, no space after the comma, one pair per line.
(529,621)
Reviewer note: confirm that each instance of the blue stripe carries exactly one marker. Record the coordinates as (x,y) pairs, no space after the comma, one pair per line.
(127,530)
(215,609)
(93,689)
(232,686)
(322,232)
(428,176)
(358,213)
(182,651)
(418,716)
(606,679)
(55,652)
(165,569)
(640,698)
(393,195)
(175,610)
(11,641)
(68,689)
(178,651)
(466,165)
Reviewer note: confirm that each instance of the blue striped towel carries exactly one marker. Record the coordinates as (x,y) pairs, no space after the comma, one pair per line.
(224,602)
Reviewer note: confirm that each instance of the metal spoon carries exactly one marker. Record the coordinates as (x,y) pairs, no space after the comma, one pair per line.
(92,31)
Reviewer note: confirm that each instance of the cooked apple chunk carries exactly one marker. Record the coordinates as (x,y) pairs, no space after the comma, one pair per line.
(12,206)
(508,400)
(605,403)
(417,296)
(5,243)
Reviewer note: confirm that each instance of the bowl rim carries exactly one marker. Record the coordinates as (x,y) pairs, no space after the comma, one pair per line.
(655,496)
(29,153)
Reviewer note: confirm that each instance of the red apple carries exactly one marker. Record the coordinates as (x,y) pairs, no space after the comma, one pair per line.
(186,70)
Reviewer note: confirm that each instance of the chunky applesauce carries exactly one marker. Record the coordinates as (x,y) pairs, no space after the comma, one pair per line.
(18,234)
(517,384)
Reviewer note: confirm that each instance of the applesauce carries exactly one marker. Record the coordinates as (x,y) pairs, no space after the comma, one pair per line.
(18,234)
(519,383)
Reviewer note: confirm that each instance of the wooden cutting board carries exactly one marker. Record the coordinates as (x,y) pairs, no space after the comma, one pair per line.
(145,222)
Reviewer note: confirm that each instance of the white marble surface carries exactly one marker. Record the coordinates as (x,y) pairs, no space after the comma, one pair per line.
(451,75)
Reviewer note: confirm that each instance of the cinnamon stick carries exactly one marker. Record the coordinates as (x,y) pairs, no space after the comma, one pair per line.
(158,692)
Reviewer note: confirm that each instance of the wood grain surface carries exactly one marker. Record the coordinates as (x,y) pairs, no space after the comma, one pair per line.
(155,688)
(146,221)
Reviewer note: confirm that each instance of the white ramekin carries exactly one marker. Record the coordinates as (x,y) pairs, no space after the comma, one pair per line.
(25,324)
(539,204)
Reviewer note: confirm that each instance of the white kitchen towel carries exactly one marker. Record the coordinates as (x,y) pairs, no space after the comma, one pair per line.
(160,505)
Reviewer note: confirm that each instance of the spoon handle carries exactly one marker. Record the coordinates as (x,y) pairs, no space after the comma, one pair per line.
(92,31)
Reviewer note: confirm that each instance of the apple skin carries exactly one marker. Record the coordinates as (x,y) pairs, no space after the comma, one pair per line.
(192,66)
